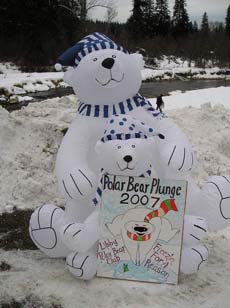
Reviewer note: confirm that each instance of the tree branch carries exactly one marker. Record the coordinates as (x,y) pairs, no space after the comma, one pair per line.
(97,5)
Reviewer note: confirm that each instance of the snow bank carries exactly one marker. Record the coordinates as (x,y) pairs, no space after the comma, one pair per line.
(197,98)
(49,281)
(30,139)
(8,67)
(169,67)
(149,74)
(20,83)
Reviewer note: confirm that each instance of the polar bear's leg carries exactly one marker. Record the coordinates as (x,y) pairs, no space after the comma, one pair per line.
(195,229)
(83,265)
(193,258)
(211,202)
(216,195)
(44,230)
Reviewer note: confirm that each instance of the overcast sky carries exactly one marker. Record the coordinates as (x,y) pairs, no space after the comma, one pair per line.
(216,9)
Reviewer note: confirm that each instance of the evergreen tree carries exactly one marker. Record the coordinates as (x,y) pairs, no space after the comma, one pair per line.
(220,27)
(36,32)
(180,20)
(227,20)
(137,23)
(162,17)
(205,25)
(149,18)
(195,27)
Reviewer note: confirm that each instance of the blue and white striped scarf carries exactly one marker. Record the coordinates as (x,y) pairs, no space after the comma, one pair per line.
(99,189)
(106,111)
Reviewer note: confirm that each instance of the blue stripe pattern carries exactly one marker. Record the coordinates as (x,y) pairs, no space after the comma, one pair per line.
(106,111)
(95,41)
(124,137)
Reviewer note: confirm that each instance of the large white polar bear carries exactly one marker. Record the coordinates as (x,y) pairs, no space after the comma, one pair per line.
(106,78)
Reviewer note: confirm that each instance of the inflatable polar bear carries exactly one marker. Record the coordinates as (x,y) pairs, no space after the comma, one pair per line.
(107,79)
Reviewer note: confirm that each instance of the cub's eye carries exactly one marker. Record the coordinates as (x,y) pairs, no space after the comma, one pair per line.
(113,56)
(119,147)
(95,59)
(133,146)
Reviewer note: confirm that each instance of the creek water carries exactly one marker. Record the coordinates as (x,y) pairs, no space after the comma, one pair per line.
(148,89)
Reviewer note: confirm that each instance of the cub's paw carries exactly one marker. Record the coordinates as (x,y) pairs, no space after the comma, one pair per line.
(178,157)
(193,259)
(82,265)
(78,184)
(195,229)
(79,236)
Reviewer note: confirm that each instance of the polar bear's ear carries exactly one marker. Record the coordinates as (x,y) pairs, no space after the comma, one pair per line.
(116,225)
(138,58)
(98,147)
(68,76)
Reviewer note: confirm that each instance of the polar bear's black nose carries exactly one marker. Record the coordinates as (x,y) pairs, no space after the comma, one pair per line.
(108,63)
(127,158)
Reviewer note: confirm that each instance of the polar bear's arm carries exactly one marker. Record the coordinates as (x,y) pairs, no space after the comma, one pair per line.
(75,165)
(116,225)
(167,232)
(75,144)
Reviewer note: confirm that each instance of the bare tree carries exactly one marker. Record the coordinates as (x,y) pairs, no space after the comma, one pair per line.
(87,5)
(111,12)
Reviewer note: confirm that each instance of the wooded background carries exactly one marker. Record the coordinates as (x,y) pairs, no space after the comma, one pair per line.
(36,32)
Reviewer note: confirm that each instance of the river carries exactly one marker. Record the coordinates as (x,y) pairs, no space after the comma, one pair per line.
(148,89)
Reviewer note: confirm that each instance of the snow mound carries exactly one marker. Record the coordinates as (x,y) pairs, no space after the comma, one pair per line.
(31,137)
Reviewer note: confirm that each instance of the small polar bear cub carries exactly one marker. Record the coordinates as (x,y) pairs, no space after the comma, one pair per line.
(127,148)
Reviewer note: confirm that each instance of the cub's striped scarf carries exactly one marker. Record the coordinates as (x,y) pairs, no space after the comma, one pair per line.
(165,207)
(106,111)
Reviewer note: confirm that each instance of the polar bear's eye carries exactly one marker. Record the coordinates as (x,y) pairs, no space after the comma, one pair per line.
(113,56)
(95,59)
(119,147)
(133,146)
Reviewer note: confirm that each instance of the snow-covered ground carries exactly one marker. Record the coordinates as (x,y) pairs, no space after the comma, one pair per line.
(149,74)
(198,98)
(8,67)
(29,140)
(23,83)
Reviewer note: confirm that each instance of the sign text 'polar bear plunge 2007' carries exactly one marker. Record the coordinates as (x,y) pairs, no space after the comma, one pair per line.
(113,182)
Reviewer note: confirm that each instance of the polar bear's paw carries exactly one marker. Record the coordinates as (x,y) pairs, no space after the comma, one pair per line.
(78,184)
(82,265)
(193,259)
(217,196)
(195,229)
(44,224)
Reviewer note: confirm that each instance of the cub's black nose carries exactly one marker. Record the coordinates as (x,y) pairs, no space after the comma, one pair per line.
(127,158)
(140,229)
(108,63)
